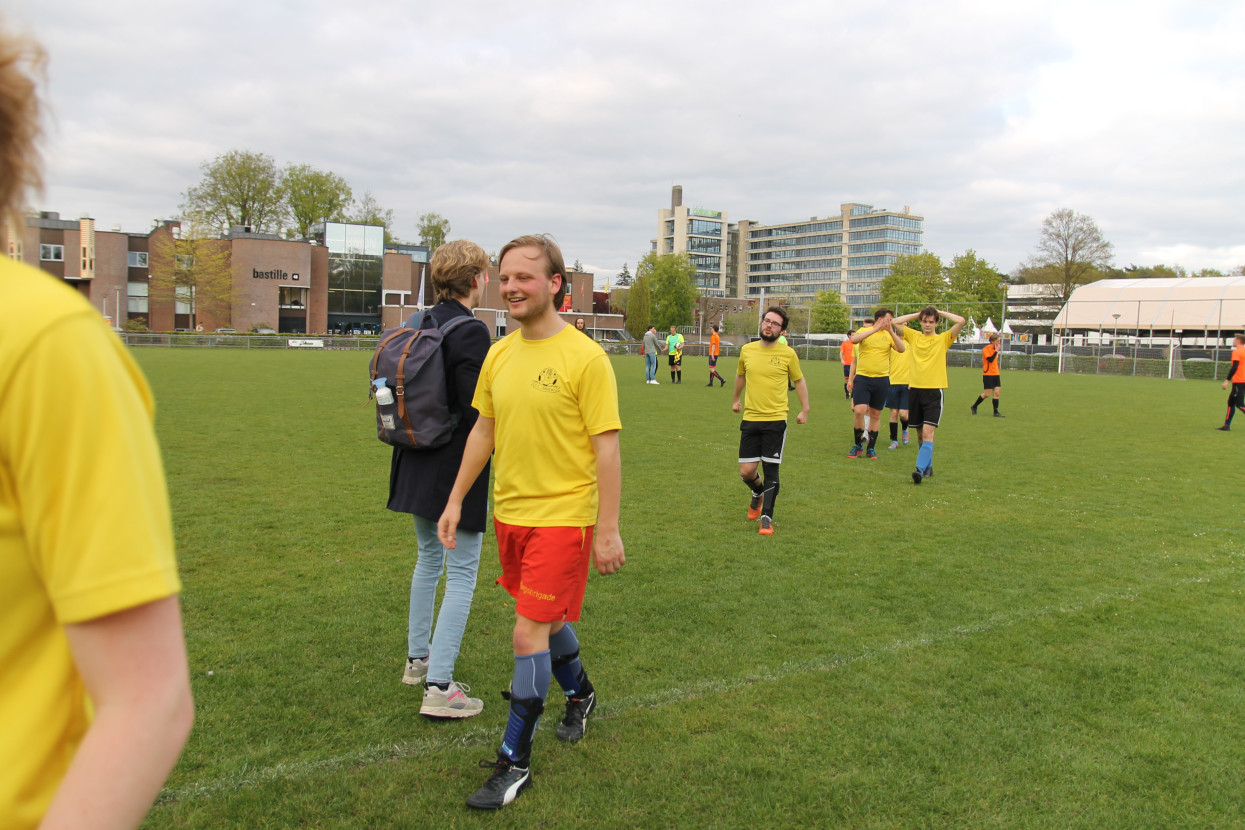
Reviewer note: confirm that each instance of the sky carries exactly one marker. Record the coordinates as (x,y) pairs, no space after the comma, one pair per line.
(576,119)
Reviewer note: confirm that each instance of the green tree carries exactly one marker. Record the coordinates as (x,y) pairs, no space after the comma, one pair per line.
(741,322)
(433,229)
(638,312)
(915,281)
(313,196)
(672,283)
(975,288)
(624,277)
(238,188)
(368,211)
(830,315)
(1072,249)
(189,265)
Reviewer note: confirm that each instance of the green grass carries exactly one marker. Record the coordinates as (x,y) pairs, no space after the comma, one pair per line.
(1047,634)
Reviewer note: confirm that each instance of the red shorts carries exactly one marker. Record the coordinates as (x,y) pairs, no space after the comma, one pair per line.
(545,569)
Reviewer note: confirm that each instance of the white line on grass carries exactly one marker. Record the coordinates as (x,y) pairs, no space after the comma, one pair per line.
(486,736)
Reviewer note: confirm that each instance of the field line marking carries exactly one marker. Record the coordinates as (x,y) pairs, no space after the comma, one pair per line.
(487,736)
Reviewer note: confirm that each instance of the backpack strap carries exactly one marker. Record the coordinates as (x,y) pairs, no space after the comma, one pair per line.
(449,325)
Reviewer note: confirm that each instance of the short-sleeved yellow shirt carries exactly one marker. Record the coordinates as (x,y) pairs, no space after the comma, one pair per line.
(928,362)
(765,372)
(546,398)
(873,354)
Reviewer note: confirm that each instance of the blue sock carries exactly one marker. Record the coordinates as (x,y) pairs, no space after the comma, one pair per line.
(562,645)
(531,680)
(925,456)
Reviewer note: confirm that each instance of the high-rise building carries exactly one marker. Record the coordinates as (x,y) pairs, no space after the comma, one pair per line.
(849,253)
(702,235)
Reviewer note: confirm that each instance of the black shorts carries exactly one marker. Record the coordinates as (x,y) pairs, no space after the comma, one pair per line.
(847,370)
(925,406)
(713,361)
(870,391)
(897,398)
(1236,397)
(762,441)
(675,361)
(991,382)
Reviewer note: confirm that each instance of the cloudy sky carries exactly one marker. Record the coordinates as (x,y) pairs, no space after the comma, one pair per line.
(577,118)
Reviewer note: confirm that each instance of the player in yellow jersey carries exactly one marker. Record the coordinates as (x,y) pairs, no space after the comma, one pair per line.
(927,379)
(897,399)
(95,700)
(1236,377)
(548,404)
(870,380)
(765,368)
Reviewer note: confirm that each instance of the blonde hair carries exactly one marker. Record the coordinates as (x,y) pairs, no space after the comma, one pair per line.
(454,265)
(21,62)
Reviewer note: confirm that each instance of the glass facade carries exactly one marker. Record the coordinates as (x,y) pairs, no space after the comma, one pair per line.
(356,265)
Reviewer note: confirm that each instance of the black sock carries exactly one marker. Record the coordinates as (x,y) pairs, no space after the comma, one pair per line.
(996,404)
(894,431)
(977,402)
(873,437)
(858,433)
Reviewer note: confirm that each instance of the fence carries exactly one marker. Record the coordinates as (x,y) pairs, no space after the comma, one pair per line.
(1117,358)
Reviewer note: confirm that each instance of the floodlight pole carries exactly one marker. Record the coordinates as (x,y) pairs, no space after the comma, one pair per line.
(1116,336)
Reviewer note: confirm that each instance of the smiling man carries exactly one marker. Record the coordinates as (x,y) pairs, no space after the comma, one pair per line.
(548,405)
(927,379)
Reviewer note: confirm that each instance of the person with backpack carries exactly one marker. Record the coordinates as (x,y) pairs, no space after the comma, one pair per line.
(420,481)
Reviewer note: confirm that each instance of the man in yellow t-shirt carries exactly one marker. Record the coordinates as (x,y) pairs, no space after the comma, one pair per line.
(95,701)
(548,404)
(765,368)
(927,379)
(870,380)
(897,399)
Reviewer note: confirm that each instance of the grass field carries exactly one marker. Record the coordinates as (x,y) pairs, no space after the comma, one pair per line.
(1049,633)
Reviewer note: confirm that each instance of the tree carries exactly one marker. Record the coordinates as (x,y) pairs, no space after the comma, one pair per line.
(975,288)
(672,283)
(741,322)
(624,277)
(368,211)
(313,196)
(433,229)
(238,188)
(1074,250)
(189,266)
(829,314)
(577,267)
(915,281)
(639,308)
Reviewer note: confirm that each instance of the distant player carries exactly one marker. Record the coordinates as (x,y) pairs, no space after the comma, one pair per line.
(846,350)
(990,375)
(715,347)
(927,379)
(766,367)
(1236,377)
(870,380)
(897,399)
(674,347)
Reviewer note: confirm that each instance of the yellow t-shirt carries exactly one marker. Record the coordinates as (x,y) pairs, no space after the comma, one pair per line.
(84,519)
(765,372)
(900,368)
(546,398)
(873,354)
(927,367)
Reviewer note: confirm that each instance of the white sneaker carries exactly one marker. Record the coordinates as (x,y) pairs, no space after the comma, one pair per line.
(416,671)
(452,703)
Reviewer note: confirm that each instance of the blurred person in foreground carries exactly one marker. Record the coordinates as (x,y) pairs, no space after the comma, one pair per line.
(95,702)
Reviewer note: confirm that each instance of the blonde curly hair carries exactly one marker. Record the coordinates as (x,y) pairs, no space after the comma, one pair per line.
(21,66)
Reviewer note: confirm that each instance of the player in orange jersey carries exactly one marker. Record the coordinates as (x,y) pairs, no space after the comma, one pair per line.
(715,348)
(1236,377)
(846,350)
(990,375)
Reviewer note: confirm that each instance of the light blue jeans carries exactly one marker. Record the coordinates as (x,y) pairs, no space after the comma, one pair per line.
(460,566)
(650,367)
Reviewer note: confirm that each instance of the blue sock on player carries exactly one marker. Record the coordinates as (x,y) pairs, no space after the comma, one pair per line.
(531,680)
(925,456)
(564,656)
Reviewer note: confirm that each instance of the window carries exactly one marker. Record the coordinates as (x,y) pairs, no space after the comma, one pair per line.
(52,253)
(137,295)
(292,297)
(138,259)
(184,300)
(184,261)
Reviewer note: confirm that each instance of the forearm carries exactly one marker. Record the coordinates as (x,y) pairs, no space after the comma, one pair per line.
(899,321)
(801,392)
(609,480)
(739,389)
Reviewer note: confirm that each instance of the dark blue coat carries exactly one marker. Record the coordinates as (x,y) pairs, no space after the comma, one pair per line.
(420,481)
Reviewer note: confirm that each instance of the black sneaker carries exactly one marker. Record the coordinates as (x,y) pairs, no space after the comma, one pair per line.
(999,415)
(576,721)
(916,476)
(503,787)
(1224,428)
(974,409)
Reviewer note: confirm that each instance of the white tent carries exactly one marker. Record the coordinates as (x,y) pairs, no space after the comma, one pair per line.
(989,327)
(1007,327)
(1188,304)
(971,333)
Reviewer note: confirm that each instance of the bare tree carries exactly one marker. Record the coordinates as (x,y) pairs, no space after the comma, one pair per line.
(1071,250)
